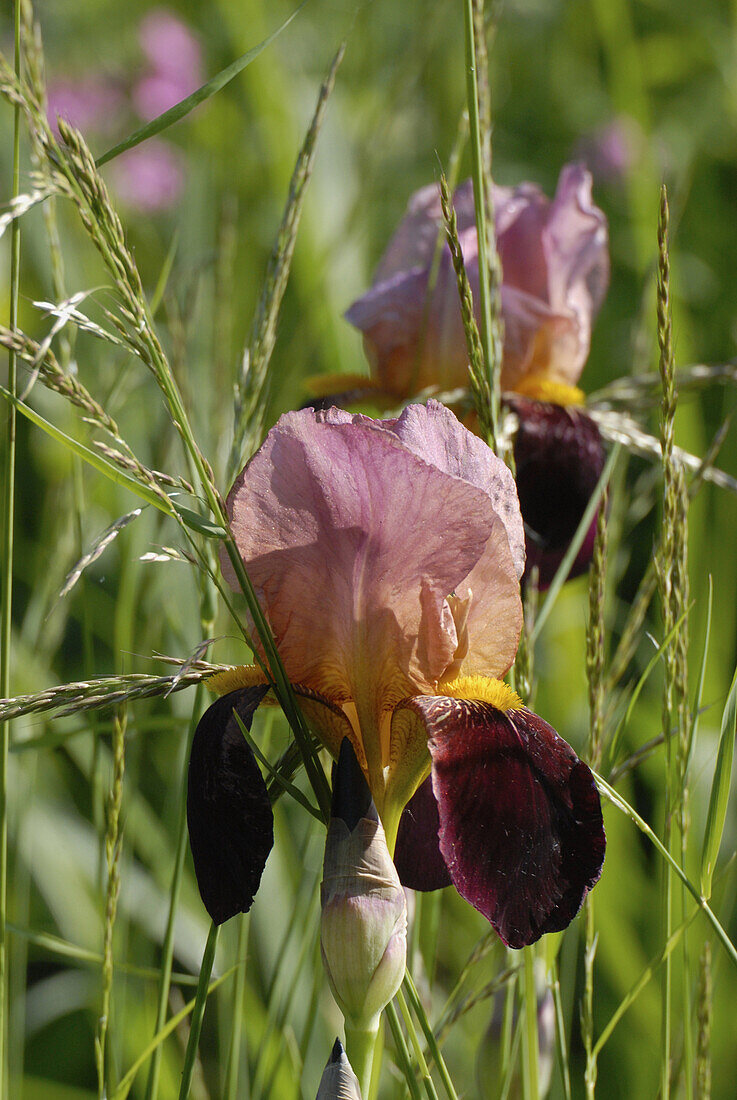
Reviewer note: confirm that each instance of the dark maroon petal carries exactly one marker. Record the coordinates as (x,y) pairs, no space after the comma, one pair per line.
(231,826)
(417,854)
(521,829)
(559,458)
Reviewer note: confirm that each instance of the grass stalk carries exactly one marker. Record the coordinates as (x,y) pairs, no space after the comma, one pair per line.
(112,859)
(490,352)
(198,1012)
(167,948)
(531,1074)
(7,574)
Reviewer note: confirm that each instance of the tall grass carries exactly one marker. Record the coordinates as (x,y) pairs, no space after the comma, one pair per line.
(162,330)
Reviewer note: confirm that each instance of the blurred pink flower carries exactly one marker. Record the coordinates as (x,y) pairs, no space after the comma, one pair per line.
(149,177)
(90,103)
(611,150)
(555,266)
(175,57)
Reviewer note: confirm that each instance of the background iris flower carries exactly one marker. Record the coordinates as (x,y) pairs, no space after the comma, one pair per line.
(555,267)
(386,556)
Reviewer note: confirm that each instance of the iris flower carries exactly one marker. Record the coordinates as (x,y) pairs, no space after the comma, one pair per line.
(555,272)
(386,556)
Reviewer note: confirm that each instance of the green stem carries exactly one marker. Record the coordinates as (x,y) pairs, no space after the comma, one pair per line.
(531,1038)
(360,1044)
(198,1012)
(236,1035)
(7,580)
(479,194)
(427,1081)
(152,1083)
(432,1044)
(403,1056)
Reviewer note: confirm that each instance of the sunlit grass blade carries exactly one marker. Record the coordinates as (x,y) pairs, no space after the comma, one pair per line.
(561,574)
(404,1061)
(279,779)
(198,1012)
(432,1044)
(56,946)
(696,712)
(717,814)
(179,110)
(657,655)
(126,1082)
(621,803)
(252,385)
(642,981)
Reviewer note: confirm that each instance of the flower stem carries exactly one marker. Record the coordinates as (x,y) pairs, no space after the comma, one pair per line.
(198,1012)
(479,193)
(360,1044)
(7,579)
(531,1075)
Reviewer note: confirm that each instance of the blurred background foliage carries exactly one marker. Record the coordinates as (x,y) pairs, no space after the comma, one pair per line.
(644,91)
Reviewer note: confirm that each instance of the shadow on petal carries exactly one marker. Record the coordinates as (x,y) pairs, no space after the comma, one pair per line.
(231,828)
(417,854)
(521,828)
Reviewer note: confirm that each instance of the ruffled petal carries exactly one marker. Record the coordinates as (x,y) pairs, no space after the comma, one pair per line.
(352,542)
(435,434)
(559,457)
(417,854)
(521,828)
(231,828)
(414,339)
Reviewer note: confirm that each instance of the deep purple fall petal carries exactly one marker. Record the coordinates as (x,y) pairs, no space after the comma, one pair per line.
(521,828)
(417,853)
(231,829)
(559,458)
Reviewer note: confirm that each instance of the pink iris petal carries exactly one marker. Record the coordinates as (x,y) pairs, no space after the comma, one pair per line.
(520,824)
(353,541)
(555,273)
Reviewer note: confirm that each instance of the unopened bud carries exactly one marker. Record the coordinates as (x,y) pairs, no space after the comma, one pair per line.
(364,911)
(338,1081)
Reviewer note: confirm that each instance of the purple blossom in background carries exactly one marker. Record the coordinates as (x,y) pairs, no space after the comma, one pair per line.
(150,177)
(175,57)
(611,150)
(91,103)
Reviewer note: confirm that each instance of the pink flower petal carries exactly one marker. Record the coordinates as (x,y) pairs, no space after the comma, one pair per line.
(353,542)
(555,274)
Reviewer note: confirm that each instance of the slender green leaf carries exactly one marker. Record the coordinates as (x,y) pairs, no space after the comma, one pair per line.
(564,568)
(179,110)
(719,791)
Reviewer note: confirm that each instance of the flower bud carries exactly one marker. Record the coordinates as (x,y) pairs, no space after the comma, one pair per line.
(364,911)
(338,1081)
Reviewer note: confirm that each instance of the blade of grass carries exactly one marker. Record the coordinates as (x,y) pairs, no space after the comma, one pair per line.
(621,803)
(252,385)
(7,574)
(198,1011)
(432,1043)
(404,1061)
(179,110)
(126,1082)
(720,788)
(479,194)
(564,568)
